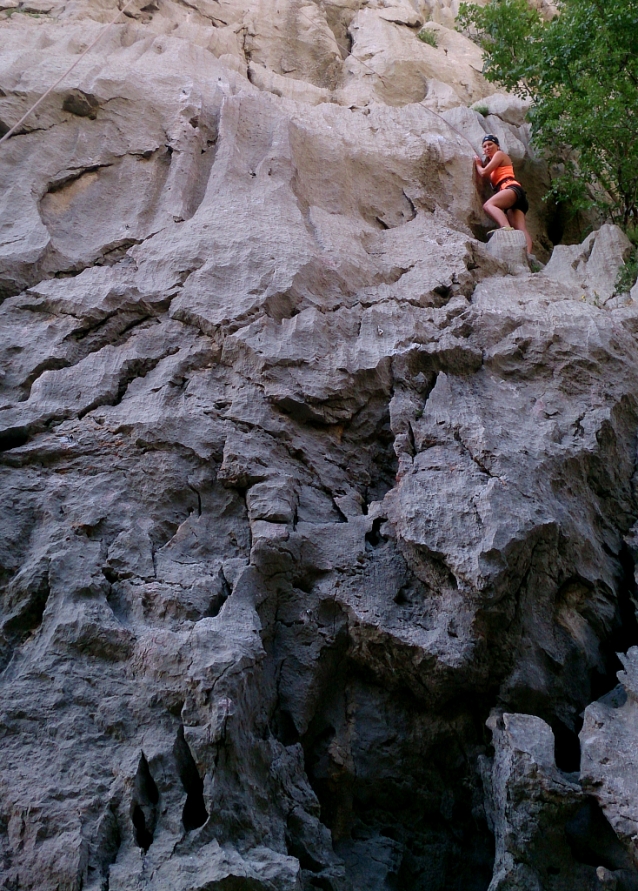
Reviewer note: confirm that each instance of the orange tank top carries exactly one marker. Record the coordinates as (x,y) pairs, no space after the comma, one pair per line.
(502,177)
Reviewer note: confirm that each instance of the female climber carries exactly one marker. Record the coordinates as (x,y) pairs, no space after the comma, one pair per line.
(509,205)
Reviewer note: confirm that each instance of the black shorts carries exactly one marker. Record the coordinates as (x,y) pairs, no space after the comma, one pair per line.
(521,202)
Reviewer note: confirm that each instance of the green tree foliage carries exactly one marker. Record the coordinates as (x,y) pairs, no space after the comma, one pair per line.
(581,72)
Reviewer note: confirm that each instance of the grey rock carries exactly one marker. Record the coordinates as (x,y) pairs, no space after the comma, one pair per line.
(608,754)
(299,483)
(529,805)
(511,109)
(593,266)
(509,246)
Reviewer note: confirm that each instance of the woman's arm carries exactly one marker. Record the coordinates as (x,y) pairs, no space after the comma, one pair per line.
(497,161)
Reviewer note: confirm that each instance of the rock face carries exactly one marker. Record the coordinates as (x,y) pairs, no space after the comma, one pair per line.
(302,484)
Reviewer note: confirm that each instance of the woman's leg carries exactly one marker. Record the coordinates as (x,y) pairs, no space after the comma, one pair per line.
(517,220)
(496,206)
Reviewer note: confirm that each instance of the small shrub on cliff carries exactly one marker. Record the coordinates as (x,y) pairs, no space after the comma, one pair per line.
(581,72)
(627,274)
(428,37)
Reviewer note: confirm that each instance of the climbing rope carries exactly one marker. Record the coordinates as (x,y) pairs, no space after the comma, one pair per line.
(24,117)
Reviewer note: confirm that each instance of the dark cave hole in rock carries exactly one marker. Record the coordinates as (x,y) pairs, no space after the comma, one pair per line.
(374,537)
(566,746)
(13,439)
(143,836)
(555,226)
(564,224)
(625,633)
(369,441)
(414,810)
(8,288)
(593,841)
(319,745)
(330,616)
(283,727)
(29,615)
(220,597)
(389,832)
(320,883)
(401,597)
(601,684)
(467,864)
(216,603)
(331,785)
(593,684)
(480,231)
(444,291)
(295,835)
(194,814)
(144,805)
(305,582)
(110,574)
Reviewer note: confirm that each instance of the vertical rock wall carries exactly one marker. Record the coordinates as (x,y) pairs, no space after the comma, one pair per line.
(300,486)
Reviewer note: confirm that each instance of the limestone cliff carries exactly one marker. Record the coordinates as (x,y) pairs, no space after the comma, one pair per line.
(318,513)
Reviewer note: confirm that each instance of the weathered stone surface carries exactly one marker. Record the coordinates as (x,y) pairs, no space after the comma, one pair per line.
(510,248)
(592,266)
(299,483)
(529,804)
(608,741)
(510,109)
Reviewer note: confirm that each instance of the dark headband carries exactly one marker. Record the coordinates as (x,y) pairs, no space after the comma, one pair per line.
(490,138)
